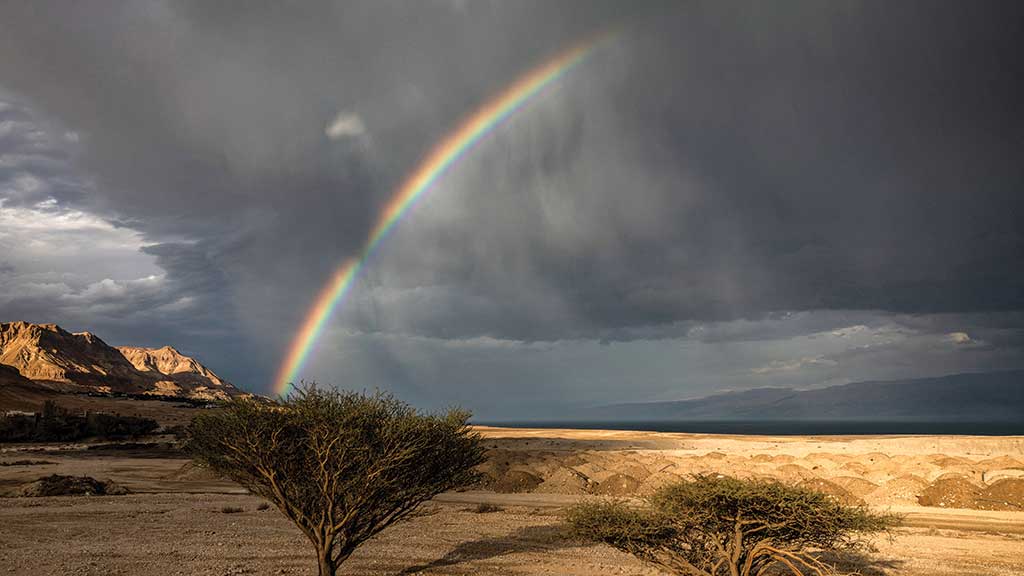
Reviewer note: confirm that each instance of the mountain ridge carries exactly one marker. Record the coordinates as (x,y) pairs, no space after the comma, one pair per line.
(977,396)
(54,359)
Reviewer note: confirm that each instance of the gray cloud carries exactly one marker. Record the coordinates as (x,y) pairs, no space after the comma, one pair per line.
(735,180)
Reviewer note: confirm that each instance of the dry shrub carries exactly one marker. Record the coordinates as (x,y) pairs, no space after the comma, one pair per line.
(716,525)
(27,463)
(342,466)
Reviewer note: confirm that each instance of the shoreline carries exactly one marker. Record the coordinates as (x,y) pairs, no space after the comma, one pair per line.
(776,427)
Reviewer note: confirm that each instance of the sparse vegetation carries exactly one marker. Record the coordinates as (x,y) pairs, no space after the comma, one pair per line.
(263,506)
(231,510)
(716,525)
(55,424)
(485,508)
(342,466)
(27,463)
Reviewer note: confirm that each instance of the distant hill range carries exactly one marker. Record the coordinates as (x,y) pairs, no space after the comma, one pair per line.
(45,357)
(983,397)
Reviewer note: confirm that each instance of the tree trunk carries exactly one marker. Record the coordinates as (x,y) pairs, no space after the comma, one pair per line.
(327,565)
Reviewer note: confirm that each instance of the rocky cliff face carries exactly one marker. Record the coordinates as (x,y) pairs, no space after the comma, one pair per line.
(176,372)
(56,359)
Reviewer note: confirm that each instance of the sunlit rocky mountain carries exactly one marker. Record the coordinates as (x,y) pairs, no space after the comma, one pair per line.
(48,357)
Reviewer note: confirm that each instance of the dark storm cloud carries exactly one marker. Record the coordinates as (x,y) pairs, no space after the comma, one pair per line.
(34,157)
(714,168)
(822,158)
(206,120)
(89,268)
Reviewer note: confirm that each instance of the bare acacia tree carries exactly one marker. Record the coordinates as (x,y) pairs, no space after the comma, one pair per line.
(342,466)
(717,526)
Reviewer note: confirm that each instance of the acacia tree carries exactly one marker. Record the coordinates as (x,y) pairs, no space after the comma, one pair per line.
(341,465)
(717,525)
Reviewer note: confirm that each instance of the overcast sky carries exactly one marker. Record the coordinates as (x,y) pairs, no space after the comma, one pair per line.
(724,196)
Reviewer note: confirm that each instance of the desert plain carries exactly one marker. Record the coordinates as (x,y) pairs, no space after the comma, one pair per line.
(180,519)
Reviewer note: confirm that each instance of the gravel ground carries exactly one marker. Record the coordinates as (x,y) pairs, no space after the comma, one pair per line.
(175,521)
(190,534)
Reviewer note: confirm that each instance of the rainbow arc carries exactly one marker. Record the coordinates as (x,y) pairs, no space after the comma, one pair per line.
(442,156)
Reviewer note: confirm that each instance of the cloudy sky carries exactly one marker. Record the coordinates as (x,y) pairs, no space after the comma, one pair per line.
(723,196)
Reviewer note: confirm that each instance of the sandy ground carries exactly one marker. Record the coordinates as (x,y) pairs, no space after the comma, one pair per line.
(174,521)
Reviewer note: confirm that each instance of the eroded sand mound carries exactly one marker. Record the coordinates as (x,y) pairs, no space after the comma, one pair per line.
(565,480)
(618,485)
(59,485)
(948,472)
(835,491)
(1005,494)
(513,481)
(904,490)
(954,492)
(959,492)
(858,487)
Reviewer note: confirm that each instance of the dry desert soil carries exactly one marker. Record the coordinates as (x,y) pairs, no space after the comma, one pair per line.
(180,520)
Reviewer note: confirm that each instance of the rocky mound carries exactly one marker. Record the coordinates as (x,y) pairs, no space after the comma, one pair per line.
(955,492)
(618,485)
(833,490)
(958,492)
(905,489)
(857,487)
(59,485)
(565,480)
(513,481)
(1006,494)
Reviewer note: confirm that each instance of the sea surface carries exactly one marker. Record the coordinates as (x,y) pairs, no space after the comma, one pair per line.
(779,427)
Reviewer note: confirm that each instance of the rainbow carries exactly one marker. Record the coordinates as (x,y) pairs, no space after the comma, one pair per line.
(445,153)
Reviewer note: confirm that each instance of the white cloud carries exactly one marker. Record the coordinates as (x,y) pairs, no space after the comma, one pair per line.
(71,258)
(51,227)
(850,331)
(958,338)
(793,365)
(345,125)
(963,340)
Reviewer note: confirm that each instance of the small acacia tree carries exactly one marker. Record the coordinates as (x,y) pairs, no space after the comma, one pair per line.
(716,525)
(342,466)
